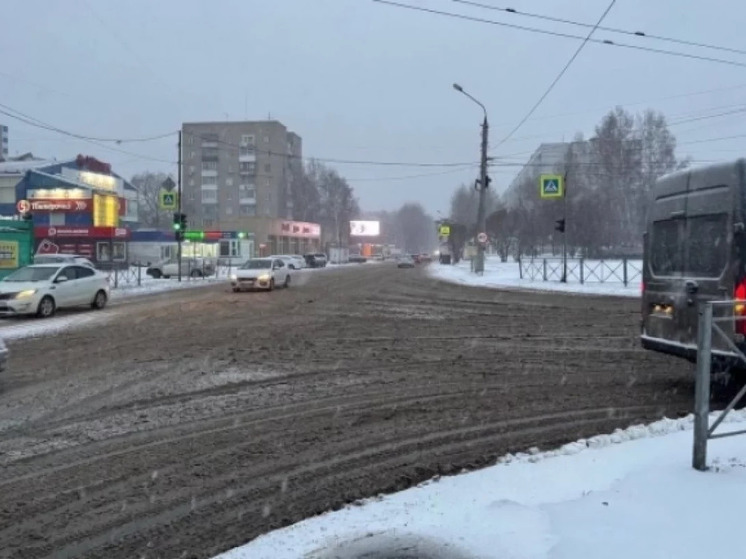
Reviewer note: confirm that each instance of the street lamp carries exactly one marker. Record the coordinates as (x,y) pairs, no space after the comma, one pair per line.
(482,183)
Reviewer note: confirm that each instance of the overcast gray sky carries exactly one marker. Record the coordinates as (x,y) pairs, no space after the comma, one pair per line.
(360,80)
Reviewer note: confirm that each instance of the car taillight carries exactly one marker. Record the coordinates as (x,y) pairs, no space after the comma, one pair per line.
(739,310)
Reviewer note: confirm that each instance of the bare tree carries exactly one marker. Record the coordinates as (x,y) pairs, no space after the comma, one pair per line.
(415,229)
(148,185)
(464,204)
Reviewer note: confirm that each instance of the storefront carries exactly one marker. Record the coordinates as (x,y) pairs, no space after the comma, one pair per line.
(151,246)
(79,207)
(289,237)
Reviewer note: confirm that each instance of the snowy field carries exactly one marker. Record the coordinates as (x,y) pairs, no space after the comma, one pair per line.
(498,274)
(629,494)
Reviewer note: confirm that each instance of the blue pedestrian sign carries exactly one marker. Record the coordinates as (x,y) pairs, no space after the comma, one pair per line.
(551,186)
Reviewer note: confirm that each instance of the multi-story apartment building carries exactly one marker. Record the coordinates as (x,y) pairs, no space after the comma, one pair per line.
(238,176)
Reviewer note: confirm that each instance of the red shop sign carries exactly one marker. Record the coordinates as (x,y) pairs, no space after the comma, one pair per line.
(86,231)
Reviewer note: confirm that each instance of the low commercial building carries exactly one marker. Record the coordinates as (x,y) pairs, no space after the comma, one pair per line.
(77,207)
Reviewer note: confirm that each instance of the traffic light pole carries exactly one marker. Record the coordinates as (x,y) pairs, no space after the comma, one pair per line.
(564,233)
(179,234)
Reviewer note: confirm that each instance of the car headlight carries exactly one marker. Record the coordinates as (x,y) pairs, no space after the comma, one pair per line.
(264,277)
(234,277)
(25,294)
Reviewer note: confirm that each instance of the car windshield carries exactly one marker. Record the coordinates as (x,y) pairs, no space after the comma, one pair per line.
(257,265)
(31,273)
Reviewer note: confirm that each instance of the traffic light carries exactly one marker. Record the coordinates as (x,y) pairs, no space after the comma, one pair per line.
(560,225)
(179,225)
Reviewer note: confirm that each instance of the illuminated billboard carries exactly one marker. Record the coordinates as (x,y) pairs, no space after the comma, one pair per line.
(365,228)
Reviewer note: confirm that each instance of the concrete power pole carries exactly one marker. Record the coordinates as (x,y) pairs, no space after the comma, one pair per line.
(483,185)
(483,182)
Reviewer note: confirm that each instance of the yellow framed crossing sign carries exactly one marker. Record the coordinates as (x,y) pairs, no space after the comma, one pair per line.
(169,200)
(551,186)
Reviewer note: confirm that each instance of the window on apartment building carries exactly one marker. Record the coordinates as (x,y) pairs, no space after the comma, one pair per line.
(209,196)
(246,150)
(229,181)
(191,182)
(266,139)
(208,222)
(267,168)
(247,167)
(192,168)
(229,211)
(247,191)
(248,210)
(193,154)
(210,153)
(247,139)
(209,165)
(190,139)
(207,138)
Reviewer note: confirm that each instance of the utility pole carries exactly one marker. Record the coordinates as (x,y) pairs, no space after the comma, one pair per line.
(179,234)
(483,184)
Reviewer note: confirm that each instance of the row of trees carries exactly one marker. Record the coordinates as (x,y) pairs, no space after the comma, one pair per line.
(608,179)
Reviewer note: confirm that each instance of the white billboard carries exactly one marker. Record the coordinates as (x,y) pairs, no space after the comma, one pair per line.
(365,228)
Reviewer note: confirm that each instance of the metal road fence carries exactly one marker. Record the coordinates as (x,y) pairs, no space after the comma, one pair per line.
(713,316)
(136,275)
(580,270)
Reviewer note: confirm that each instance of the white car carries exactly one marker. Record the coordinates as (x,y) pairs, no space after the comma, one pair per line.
(62,259)
(292,261)
(261,273)
(41,289)
(190,267)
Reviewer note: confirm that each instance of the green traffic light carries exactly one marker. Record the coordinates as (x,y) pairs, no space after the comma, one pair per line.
(177,226)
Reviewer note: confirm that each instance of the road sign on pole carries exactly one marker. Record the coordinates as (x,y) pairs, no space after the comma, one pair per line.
(482,237)
(444,230)
(168,200)
(551,186)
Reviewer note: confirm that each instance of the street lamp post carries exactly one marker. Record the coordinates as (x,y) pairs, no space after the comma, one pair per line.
(483,182)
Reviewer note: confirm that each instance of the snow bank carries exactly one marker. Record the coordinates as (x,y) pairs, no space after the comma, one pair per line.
(632,493)
(498,274)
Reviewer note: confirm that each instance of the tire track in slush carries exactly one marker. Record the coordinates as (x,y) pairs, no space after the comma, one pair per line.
(330,429)
(368,457)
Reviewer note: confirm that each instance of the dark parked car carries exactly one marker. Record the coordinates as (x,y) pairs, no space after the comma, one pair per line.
(694,251)
(315,260)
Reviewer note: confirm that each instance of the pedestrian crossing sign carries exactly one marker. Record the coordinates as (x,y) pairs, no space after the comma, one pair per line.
(551,186)
(168,200)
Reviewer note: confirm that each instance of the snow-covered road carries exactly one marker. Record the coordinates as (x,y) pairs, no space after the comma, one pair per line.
(629,494)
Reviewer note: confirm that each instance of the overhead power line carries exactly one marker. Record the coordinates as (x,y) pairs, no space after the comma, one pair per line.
(32,121)
(608,42)
(601,28)
(557,78)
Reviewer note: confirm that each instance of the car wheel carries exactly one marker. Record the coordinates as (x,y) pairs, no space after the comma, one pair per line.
(196,274)
(236,290)
(287,281)
(272,284)
(156,274)
(46,307)
(99,301)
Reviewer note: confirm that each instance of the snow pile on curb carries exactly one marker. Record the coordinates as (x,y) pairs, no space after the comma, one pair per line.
(631,493)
